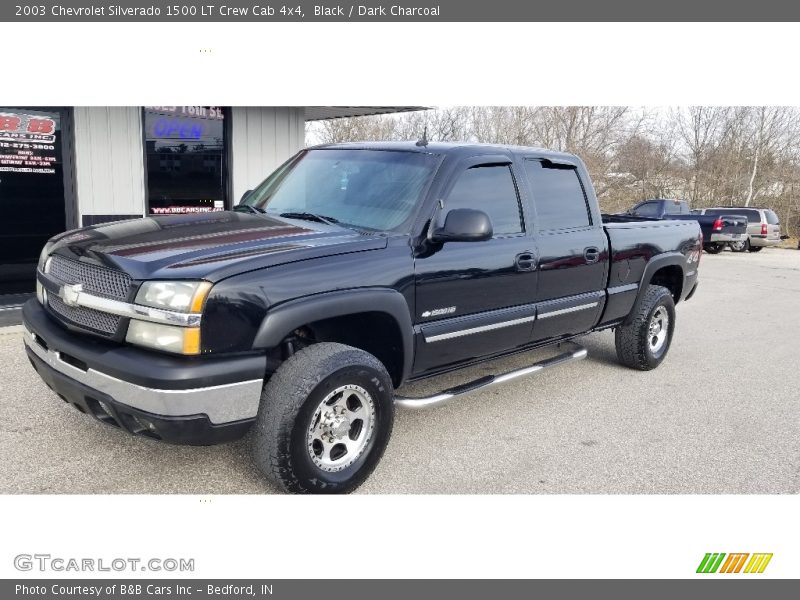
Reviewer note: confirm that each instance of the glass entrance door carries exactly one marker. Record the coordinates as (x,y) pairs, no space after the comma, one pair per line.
(32,202)
(185,159)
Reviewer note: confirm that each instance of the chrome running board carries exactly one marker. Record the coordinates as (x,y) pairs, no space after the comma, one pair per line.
(490,380)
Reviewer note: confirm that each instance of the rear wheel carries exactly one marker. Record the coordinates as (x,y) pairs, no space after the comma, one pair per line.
(755,248)
(325,418)
(742,246)
(643,343)
(713,248)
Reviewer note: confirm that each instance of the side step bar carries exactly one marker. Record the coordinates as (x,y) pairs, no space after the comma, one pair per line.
(489,381)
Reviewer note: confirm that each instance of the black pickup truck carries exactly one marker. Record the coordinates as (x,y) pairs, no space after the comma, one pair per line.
(718,231)
(352,269)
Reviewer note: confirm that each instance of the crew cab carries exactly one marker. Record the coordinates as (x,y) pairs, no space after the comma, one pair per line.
(718,231)
(352,269)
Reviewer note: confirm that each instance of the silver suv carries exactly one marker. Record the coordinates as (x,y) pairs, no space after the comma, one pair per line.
(763,227)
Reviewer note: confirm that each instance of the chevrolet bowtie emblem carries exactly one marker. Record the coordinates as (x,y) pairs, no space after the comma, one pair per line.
(70,294)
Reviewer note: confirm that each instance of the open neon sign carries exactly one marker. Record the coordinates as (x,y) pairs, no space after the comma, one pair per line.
(176,128)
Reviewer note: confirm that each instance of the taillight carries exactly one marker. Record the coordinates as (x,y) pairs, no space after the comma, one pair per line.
(764,229)
(717,226)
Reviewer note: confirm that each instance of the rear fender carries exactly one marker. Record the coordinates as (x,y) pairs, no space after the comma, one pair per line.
(667,259)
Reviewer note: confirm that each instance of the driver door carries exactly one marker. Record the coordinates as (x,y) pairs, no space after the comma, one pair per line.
(475,299)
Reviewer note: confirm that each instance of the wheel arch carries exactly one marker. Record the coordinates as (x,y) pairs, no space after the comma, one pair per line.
(380,316)
(666,270)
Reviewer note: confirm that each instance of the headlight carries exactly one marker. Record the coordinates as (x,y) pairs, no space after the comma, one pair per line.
(43,256)
(182,296)
(179,296)
(169,338)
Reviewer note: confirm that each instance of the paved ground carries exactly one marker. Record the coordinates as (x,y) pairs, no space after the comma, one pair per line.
(720,416)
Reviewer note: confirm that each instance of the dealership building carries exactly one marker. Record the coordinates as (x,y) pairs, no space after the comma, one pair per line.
(67,167)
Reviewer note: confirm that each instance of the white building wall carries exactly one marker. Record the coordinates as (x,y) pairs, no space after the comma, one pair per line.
(261,139)
(109,155)
(109,162)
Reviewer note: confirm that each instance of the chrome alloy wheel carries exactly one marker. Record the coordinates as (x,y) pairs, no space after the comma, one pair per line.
(739,246)
(658,329)
(341,428)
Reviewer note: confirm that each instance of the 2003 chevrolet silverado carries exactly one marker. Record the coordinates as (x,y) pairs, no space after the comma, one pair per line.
(350,270)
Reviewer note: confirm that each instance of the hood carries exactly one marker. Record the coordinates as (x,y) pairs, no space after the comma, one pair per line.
(208,246)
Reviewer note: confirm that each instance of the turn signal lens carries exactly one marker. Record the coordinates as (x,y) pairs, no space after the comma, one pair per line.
(200,295)
(191,340)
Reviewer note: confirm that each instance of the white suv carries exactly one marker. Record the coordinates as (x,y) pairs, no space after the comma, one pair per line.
(763,227)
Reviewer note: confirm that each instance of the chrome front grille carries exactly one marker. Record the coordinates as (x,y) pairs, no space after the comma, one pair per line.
(89,318)
(96,280)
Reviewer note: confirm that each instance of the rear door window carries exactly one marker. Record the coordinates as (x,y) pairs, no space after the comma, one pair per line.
(675,207)
(558,196)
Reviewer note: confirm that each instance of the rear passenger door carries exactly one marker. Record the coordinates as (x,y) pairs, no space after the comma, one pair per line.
(572,250)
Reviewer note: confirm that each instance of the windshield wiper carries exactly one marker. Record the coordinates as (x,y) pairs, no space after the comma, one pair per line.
(249,208)
(307,216)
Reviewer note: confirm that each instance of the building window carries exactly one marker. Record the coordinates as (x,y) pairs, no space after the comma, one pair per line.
(185,159)
(32,191)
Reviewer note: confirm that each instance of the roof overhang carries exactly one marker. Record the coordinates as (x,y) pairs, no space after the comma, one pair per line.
(321,113)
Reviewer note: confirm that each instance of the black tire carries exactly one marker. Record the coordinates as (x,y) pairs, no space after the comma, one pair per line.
(289,402)
(632,341)
(713,248)
(755,248)
(743,248)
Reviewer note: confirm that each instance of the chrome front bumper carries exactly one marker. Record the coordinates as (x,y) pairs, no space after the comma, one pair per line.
(221,404)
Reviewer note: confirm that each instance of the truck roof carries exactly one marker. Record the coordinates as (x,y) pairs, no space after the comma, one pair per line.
(465,148)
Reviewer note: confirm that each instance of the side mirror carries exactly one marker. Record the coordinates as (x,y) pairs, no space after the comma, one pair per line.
(245,196)
(464,225)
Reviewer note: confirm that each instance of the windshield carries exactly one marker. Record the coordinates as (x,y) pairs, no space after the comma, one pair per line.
(371,189)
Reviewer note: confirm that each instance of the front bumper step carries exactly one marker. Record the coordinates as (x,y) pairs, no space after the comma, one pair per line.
(578,353)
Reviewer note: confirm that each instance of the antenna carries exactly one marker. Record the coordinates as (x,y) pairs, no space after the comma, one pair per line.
(423,141)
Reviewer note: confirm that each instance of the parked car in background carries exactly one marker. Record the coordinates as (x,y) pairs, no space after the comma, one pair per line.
(763,226)
(718,231)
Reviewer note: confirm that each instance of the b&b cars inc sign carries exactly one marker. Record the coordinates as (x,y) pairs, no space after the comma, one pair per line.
(27,143)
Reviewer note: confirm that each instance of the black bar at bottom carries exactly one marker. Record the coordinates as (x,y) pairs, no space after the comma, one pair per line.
(702,587)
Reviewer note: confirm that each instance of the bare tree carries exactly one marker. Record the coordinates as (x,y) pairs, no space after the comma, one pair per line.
(710,155)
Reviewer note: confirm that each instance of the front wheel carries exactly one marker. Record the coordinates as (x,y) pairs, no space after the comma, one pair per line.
(644,342)
(713,248)
(325,419)
(741,246)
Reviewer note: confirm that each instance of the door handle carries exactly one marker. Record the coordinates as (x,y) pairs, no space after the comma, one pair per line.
(591,254)
(526,261)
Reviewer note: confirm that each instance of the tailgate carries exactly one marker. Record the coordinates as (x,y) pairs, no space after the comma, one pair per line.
(733,224)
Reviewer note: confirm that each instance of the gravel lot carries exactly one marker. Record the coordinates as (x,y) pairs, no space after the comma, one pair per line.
(720,416)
